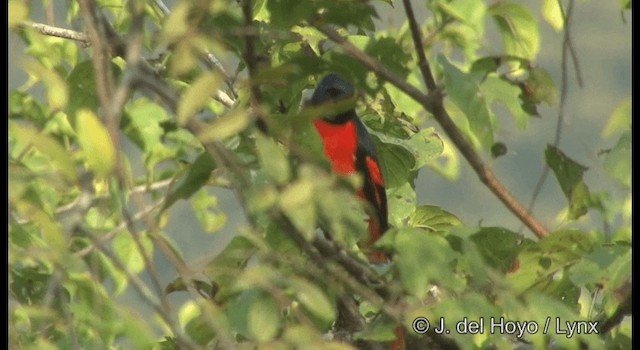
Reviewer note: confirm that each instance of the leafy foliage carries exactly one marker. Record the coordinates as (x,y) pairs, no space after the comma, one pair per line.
(98,156)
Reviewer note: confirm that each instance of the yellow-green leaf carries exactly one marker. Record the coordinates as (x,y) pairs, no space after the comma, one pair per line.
(48,146)
(552,13)
(96,144)
(197,96)
(18,12)
(225,126)
(619,120)
(57,89)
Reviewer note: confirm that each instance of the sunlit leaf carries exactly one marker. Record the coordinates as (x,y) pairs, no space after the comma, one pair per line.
(433,219)
(18,13)
(225,126)
(518,27)
(128,251)
(205,207)
(314,300)
(60,158)
(98,150)
(553,14)
(57,89)
(197,95)
(619,120)
(617,161)
(465,92)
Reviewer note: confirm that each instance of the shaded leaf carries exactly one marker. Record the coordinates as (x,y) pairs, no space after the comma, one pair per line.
(569,174)
(197,176)
(420,259)
(617,161)
(273,159)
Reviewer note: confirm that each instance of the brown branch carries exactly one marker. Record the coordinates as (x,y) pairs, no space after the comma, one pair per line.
(417,42)
(433,103)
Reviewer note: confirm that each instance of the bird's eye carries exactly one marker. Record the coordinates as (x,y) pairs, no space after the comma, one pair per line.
(333,92)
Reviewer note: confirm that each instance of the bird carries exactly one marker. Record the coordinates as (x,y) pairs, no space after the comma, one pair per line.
(350,150)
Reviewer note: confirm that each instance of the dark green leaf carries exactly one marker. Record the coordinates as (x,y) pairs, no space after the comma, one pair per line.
(569,174)
(498,246)
(196,178)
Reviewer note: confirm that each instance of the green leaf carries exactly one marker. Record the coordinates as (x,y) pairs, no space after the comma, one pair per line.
(225,126)
(127,250)
(252,313)
(297,202)
(19,12)
(196,178)
(196,96)
(538,261)
(518,27)
(314,300)
(396,159)
(205,207)
(619,120)
(433,218)
(498,246)
(223,270)
(569,174)
(273,159)
(60,157)
(401,203)
(466,94)
(401,101)
(601,266)
(98,150)
(421,258)
(617,161)
(539,87)
(469,12)
(500,91)
(286,13)
(263,319)
(57,89)
(552,13)
(82,86)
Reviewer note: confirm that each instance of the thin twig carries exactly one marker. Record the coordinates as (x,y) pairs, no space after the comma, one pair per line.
(59,32)
(567,50)
(433,103)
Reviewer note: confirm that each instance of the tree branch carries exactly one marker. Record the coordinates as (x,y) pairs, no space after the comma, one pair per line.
(58,32)
(433,103)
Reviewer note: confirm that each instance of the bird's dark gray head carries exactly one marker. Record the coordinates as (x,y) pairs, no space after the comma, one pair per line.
(332,88)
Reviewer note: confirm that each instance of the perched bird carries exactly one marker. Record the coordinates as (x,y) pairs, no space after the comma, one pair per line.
(349,148)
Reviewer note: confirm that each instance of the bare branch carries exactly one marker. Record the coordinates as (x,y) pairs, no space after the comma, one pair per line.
(58,32)
(433,103)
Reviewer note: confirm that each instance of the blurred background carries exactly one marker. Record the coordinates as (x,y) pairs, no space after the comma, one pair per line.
(602,39)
